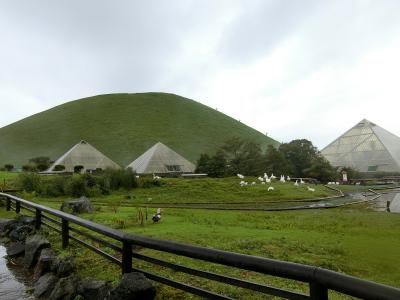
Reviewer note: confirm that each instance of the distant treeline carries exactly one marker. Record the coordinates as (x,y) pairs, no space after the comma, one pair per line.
(299,158)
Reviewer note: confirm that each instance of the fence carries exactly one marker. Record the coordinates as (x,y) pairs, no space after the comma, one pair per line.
(319,280)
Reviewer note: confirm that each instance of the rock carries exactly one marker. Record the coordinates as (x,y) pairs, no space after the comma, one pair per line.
(93,289)
(26,220)
(63,266)
(45,262)
(44,286)
(81,205)
(6,225)
(66,288)
(33,246)
(133,286)
(15,249)
(20,233)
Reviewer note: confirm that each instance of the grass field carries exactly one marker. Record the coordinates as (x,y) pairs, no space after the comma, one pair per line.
(123,126)
(360,243)
(352,239)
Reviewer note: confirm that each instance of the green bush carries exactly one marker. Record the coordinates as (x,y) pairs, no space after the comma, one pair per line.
(76,186)
(29,182)
(29,168)
(59,168)
(9,167)
(118,179)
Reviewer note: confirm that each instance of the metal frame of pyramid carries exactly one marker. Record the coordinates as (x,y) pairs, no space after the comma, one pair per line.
(366,147)
(160,159)
(83,154)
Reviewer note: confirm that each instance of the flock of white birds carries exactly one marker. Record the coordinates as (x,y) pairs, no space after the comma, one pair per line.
(269,179)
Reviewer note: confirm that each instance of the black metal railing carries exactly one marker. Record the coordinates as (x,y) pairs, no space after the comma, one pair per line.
(319,280)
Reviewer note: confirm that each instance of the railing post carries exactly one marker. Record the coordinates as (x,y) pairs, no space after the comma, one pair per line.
(38,220)
(65,233)
(8,204)
(126,257)
(17,207)
(318,291)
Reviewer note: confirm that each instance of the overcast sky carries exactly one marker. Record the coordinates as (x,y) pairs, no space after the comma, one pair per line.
(292,69)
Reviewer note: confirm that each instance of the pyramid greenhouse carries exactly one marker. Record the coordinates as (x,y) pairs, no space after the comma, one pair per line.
(160,159)
(85,155)
(366,147)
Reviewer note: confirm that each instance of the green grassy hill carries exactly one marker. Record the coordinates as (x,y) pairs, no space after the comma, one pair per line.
(123,126)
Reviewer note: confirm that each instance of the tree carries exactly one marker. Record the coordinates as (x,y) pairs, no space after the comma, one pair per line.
(203,163)
(9,167)
(321,169)
(217,165)
(276,162)
(214,166)
(242,156)
(300,153)
(41,163)
(29,168)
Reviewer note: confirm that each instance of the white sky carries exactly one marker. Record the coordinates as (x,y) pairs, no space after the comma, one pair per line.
(293,69)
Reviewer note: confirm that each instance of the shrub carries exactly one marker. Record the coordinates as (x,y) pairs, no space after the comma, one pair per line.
(29,182)
(9,167)
(41,163)
(59,168)
(29,168)
(78,169)
(121,179)
(76,186)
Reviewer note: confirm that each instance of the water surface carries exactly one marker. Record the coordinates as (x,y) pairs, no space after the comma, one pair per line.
(13,280)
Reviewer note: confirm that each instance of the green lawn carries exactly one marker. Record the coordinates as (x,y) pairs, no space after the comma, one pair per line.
(7,179)
(352,239)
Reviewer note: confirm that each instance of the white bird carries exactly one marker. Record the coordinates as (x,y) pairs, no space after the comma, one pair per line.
(157,216)
(337,183)
(288,178)
(301,181)
(263,182)
(296,183)
(155,177)
(240,176)
(265,175)
(282,179)
(310,189)
(253,183)
(267,180)
(261,179)
(272,176)
(271,188)
(243,183)
(137,176)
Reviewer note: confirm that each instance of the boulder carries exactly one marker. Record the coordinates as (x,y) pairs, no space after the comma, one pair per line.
(26,220)
(93,289)
(21,232)
(133,286)
(15,249)
(33,246)
(44,286)
(65,288)
(63,266)
(45,262)
(6,225)
(78,206)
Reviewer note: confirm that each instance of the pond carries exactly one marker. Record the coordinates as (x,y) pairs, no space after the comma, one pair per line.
(14,281)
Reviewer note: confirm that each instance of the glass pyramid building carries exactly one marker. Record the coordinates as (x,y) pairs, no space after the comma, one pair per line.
(367,148)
